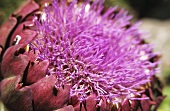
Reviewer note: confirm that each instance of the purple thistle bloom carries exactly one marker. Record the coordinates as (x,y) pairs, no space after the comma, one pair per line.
(76,55)
(94,53)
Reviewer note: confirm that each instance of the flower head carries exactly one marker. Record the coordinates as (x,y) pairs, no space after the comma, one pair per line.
(87,52)
(93,53)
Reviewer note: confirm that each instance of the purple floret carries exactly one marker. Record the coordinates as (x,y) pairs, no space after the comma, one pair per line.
(95,53)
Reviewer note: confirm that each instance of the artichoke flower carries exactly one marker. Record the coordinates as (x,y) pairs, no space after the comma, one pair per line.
(69,55)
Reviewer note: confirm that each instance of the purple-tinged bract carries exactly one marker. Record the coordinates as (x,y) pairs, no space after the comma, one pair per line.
(94,52)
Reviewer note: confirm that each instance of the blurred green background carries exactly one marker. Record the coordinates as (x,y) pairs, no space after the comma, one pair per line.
(7,7)
(155,15)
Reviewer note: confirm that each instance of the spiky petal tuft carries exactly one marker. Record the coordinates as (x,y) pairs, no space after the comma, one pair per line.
(95,53)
